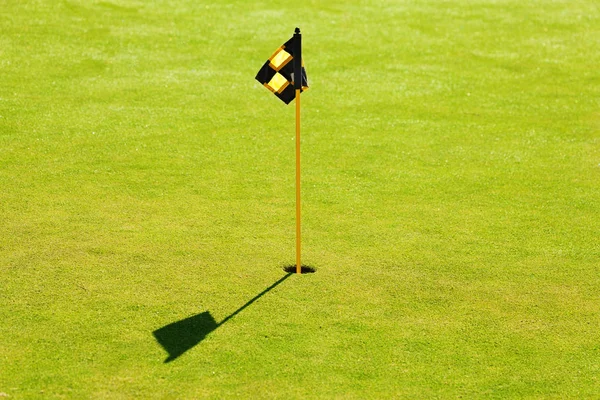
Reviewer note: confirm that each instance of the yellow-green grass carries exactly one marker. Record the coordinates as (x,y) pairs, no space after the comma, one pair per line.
(451,186)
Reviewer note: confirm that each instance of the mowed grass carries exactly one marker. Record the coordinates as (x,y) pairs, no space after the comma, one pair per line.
(451,188)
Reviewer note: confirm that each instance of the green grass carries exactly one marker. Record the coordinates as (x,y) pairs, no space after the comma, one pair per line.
(451,187)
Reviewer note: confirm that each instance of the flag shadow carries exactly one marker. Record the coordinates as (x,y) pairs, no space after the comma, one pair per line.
(180,336)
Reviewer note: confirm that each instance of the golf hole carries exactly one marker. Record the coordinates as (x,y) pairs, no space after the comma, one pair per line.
(305,269)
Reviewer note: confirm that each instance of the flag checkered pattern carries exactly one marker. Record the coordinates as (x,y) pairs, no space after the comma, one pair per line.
(277,74)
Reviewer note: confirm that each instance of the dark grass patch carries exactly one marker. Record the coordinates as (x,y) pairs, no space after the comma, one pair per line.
(304,269)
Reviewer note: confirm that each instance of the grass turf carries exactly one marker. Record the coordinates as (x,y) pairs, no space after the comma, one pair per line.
(451,199)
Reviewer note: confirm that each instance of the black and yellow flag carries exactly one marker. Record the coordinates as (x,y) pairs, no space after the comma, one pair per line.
(277,74)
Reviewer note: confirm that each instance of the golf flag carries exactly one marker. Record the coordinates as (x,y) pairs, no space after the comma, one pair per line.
(284,75)
(278,73)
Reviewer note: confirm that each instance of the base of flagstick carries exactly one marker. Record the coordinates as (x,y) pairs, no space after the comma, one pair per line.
(305,269)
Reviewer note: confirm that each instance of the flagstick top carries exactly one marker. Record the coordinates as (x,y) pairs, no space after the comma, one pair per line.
(297,60)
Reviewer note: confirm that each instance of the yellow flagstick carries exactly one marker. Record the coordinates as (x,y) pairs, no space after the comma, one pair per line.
(298,205)
(298,86)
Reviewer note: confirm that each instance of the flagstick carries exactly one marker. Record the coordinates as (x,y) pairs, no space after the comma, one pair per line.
(298,205)
(298,86)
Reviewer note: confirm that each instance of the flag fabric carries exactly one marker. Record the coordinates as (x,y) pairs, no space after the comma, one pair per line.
(277,74)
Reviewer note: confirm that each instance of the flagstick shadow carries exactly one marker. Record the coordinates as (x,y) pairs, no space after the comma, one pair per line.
(178,337)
